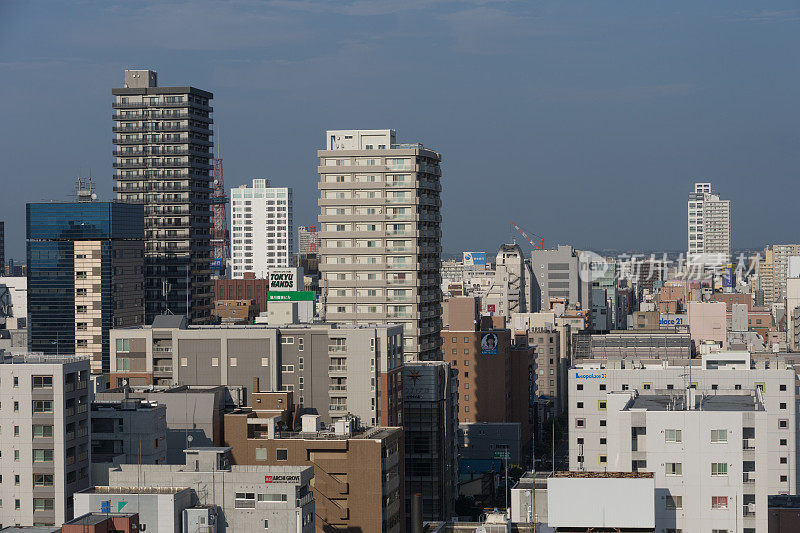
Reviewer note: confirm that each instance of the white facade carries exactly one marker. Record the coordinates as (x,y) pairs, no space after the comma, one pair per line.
(619,420)
(44,437)
(709,223)
(262,235)
(380,235)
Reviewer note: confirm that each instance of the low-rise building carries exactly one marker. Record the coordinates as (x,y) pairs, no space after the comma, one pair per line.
(128,431)
(334,368)
(430,428)
(44,437)
(208,493)
(717,448)
(358,473)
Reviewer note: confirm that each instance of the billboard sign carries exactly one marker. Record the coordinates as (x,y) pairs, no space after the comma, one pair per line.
(670,320)
(290,296)
(285,279)
(474,258)
(489,344)
(728,277)
(490,308)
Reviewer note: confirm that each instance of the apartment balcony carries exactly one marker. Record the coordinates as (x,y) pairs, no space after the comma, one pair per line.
(748,477)
(337,369)
(161,153)
(337,407)
(161,116)
(337,390)
(145,105)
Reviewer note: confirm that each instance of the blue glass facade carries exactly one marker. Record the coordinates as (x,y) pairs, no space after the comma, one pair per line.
(53,229)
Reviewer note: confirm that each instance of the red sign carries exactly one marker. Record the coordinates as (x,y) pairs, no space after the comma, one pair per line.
(490,308)
(267,479)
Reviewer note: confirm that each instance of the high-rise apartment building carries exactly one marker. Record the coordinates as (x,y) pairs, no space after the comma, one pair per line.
(380,233)
(261,226)
(44,443)
(162,159)
(773,268)
(2,248)
(84,276)
(709,223)
(308,240)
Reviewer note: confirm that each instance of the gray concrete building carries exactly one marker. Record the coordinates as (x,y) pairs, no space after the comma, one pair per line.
(162,159)
(127,431)
(430,425)
(226,497)
(557,274)
(193,414)
(652,344)
(482,440)
(44,437)
(380,235)
(511,290)
(333,368)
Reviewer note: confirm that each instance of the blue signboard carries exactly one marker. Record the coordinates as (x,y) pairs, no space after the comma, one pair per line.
(474,258)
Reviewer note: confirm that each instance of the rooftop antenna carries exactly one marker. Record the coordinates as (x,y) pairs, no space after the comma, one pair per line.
(84,190)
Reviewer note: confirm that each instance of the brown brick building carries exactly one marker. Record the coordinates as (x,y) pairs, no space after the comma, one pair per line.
(248,288)
(358,480)
(494,376)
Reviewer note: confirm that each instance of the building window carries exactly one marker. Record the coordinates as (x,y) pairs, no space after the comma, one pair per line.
(123,345)
(272,498)
(580,386)
(245,500)
(783,424)
(783,405)
(673,469)
(719,502)
(42,456)
(266,524)
(601,405)
(719,435)
(719,469)
(783,442)
(647,386)
(580,405)
(580,422)
(672,435)
(282,454)
(602,423)
(261,454)
(42,382)
(602,385)
(42,480)
(674,502)
(42,406)
(624,386)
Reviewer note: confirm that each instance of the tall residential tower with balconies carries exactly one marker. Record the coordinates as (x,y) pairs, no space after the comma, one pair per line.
(162,159)
(380,235)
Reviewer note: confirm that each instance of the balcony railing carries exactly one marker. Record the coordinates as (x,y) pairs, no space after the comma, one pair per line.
(337,368)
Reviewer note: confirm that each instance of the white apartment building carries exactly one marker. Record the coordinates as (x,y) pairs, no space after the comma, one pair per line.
(262,236)
(44,437)
(380,233)
(716,449)
(709,223)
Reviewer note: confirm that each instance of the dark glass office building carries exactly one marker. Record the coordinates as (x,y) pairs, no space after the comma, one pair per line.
(85,262)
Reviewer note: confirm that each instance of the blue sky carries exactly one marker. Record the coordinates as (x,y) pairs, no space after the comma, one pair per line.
(584,121)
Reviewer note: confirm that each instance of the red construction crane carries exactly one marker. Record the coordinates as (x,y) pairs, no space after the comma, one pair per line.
(522,232)
(220,238)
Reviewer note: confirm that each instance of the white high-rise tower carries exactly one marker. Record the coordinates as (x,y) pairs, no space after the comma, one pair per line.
(709,223)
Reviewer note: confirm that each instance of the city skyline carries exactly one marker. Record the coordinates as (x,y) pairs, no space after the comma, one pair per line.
(666,108)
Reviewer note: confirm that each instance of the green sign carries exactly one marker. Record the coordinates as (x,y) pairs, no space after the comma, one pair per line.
(290,296)
(502,454)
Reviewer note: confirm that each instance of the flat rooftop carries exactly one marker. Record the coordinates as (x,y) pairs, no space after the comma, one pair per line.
(92,519)
(133,490)
(677,402)
(603,474)
(42,359)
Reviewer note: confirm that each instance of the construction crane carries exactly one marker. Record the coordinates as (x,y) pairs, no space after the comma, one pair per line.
(220,238)
(525,234)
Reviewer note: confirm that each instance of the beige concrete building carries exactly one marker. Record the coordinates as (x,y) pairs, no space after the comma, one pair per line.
(380,233)
(709,223)
(163,151)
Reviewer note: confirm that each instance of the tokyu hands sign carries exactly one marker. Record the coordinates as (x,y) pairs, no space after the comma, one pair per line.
(285,279)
